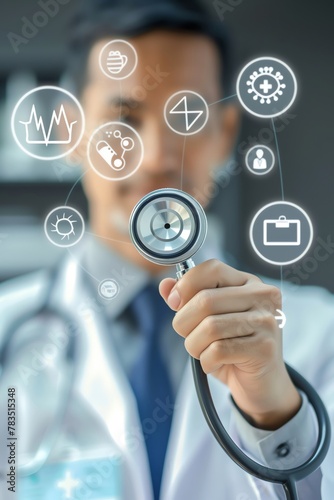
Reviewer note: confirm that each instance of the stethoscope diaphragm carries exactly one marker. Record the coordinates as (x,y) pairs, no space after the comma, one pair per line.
(168,226)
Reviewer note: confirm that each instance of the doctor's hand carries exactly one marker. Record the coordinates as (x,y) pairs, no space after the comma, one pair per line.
(227,319)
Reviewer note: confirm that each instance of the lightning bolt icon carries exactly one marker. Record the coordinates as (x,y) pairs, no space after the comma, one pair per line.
(191,116)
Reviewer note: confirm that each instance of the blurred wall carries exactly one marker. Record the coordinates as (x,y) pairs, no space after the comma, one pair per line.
(300,32)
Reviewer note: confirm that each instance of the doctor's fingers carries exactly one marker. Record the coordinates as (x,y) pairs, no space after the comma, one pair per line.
(251,296)
(250,352)
(233,330)
(209,274)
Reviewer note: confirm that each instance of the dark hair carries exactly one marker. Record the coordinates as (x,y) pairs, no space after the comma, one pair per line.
(125,18)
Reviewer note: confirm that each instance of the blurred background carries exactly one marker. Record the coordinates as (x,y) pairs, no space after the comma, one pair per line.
(300,33)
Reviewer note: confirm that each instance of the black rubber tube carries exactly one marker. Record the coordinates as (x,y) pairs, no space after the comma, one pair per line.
(286,477)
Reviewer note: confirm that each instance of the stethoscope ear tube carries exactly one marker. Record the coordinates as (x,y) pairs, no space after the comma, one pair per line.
(47,308)
(286,477)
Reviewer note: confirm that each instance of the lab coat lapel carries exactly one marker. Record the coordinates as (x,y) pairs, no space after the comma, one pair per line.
(102,382)
(196,465)
(189,434)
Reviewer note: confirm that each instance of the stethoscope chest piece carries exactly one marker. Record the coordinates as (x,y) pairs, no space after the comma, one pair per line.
(168,226)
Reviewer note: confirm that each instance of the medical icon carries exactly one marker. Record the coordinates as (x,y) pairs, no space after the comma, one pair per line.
(281,233)
(260,159)
(190,117)
(259,163)
(108,289)
(68,484)
(75,476)
(109,155)
(266,87)
(266,84)
(186,112)
(48,123)
(64,226)
(280,318)
(36,131)
(115,151)
(118,59)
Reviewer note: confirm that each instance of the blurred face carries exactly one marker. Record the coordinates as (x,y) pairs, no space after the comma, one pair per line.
(167,63)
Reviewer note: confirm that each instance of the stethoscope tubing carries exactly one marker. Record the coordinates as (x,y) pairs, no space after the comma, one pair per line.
(46,308)
(286,477)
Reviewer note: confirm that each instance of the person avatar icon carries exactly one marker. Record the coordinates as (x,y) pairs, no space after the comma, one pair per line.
(260,159)
(259,163)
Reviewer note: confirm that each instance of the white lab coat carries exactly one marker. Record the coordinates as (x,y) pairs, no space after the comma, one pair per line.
(101,418)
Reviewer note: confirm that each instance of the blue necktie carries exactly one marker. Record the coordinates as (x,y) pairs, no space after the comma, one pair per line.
(150,381)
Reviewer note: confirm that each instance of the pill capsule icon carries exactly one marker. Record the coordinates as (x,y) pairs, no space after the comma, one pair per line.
(109,155)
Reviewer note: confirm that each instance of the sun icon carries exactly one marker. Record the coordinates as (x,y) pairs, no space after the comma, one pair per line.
(64,226)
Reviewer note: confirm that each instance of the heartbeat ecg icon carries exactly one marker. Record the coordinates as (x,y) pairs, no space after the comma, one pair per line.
(35,128)
(182,108)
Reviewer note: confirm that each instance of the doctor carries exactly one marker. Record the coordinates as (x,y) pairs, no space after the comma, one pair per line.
(105,443)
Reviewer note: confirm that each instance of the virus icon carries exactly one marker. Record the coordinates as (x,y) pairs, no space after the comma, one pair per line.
(64,226)
(265,84)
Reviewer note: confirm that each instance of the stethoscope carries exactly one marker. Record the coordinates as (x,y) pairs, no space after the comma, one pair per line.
(49,307)
(168,226)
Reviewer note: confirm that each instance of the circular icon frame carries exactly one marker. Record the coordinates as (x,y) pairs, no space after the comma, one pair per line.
(77,213)
(58,89)
(102,283)
(114,124)
(183,92)
(241,99)
(254,220)
(264,172)
(101,55)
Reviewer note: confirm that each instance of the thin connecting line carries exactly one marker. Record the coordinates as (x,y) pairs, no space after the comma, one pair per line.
(282,187)
(224,99)
(73,187)
(109,239)
(120,108)
(278,158)
(182,163)
(81,266)
(281,279)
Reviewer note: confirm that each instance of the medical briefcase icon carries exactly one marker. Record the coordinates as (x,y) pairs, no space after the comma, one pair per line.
(281,232)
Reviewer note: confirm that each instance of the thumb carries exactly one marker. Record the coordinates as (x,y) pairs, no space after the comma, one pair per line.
(166,286)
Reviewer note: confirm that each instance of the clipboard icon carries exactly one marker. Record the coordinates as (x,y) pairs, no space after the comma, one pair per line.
(281,232)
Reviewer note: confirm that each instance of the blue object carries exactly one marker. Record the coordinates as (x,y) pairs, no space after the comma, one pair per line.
(150,380)
(97,479)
